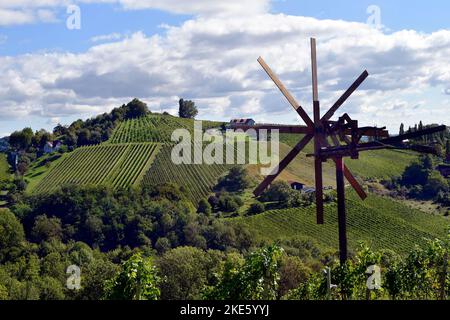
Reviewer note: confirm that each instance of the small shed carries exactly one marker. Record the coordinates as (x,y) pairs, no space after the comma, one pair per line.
(296,185)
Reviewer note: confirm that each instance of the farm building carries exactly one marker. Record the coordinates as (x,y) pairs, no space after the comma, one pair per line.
(52,146)
(296,185)
(242,122)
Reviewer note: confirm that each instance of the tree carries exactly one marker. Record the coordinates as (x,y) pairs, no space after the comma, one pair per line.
(187,109)
(256,208)
(204,207)
(11,234)
(21,140)
(436,183)
(135,109)
(237,179)
(254,279)
(402,129)
(84,137)
(186,270)
(137,280)
(46,228)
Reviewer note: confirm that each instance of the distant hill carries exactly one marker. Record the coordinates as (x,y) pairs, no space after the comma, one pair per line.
(127,159)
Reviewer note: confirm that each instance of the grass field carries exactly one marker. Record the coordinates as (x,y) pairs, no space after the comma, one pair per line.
(381,222)
(118,166)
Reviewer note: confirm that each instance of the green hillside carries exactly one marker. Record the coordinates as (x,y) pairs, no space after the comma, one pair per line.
(119,166)
(379,221)
(154,128)
(371,164)
(4,168)
(197,179)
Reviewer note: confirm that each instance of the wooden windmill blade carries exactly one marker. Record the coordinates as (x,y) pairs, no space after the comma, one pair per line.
(282,165)
(286,93)
(355,85)
(300,145)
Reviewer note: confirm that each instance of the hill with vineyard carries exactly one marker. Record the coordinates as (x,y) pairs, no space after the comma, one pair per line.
(138,152)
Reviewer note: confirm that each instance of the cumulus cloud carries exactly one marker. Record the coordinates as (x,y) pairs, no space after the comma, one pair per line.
(16,12)
(212,60)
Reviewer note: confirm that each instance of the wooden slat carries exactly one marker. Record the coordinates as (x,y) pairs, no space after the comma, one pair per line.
(318,164)
(342,219)
(345,96)
(286,93)
(283,164)
(314,70)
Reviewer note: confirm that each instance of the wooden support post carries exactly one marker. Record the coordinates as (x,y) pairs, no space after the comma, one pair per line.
(341,209)
(318,166)
(318,131)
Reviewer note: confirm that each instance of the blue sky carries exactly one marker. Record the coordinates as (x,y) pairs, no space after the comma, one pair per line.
(50,73)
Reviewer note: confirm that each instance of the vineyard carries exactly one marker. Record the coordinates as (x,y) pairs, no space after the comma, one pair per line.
(154,128)
(119,166)
(197,179)
(378,221)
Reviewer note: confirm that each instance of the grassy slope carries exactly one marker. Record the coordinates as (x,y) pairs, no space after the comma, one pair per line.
(371,164)
(382,222)
(39,171)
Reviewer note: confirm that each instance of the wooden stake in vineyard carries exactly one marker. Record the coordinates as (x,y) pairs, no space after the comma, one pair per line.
(332,140)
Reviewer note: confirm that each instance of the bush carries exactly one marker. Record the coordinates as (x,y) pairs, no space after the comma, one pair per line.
(256,208)
(204,207)
(236,180)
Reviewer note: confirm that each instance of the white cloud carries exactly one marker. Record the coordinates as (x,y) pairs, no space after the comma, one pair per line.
(212,60)
(16,12)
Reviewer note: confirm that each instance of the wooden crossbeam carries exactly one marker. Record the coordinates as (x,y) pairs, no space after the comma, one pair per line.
(296,129)
(406,136)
